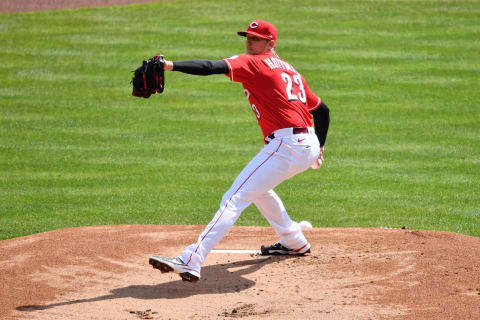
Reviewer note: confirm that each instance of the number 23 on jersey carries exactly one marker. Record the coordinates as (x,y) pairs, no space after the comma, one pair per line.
(290,86)
(289,89)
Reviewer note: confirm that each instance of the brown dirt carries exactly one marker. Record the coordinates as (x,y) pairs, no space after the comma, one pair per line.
(37,5)
(103,273)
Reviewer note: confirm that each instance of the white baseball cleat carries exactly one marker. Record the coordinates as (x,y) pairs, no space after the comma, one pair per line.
(278,249)
(176,265)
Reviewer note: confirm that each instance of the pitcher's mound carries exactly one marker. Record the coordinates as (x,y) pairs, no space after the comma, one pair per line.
(103,273)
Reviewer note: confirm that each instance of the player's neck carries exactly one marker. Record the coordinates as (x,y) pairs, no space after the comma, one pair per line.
(271,50)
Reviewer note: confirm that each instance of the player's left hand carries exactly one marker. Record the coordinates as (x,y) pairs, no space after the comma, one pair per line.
(149,78)
(318,163)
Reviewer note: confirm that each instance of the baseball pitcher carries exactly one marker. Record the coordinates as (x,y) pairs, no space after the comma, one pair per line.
(283,105)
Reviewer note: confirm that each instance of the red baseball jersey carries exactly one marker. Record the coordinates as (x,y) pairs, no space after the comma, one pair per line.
(279,96)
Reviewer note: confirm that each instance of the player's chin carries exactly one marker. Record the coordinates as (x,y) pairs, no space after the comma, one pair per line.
(253,53)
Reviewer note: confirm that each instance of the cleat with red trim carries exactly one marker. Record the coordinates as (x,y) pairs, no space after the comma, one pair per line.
(278,249)
(176,265)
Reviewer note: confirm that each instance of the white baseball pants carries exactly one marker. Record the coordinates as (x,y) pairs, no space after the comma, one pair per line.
(285,156)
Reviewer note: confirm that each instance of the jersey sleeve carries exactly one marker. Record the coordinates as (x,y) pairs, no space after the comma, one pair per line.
(241,68)
(313,101)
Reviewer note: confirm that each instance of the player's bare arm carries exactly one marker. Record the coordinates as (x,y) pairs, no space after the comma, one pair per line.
(168,65)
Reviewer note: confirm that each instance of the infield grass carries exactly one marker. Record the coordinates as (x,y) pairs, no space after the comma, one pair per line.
(401,79)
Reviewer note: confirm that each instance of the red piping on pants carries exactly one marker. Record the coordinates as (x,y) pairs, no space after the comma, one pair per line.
(226,205)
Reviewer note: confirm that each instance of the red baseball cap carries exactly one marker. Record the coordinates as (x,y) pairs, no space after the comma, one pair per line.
(261,29)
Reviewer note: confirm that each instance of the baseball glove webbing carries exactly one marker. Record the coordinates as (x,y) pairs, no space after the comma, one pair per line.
(149,78)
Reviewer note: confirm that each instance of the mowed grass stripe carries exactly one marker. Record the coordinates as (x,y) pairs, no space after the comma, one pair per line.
(400,78)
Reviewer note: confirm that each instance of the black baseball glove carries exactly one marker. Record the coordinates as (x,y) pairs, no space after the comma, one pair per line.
(149,78)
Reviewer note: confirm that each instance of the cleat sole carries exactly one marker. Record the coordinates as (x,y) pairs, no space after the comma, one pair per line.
(164,268)
(188,277)
(160,266)
(265,252)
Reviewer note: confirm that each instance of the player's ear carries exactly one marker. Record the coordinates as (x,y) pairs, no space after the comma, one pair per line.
(271,44)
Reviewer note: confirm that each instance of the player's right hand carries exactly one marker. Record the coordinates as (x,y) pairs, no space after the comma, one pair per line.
(318,163)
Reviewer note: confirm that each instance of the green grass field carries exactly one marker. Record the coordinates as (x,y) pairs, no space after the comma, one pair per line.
(401,79)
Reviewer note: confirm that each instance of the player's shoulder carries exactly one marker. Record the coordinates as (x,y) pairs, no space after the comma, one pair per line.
(240,56)
(250,57)
(253,62)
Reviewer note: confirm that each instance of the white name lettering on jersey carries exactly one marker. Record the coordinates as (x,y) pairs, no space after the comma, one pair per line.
(274,63)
